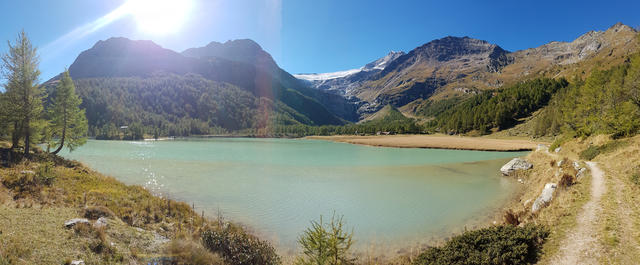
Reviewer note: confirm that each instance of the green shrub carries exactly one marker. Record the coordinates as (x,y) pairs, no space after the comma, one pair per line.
(326,244)
(239,248)
(45,174)
(504,244)
(590,153)
(594,150)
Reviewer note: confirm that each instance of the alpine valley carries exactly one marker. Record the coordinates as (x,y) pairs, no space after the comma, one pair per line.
(237,87)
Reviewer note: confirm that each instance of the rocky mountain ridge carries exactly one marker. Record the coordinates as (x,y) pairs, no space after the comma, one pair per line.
(455,66)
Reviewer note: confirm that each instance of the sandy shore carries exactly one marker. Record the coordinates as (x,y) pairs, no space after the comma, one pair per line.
(436,141)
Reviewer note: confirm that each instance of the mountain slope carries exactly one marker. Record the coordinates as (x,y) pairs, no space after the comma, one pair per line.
(249,52)
(254,72)
(344,82)
(454,67)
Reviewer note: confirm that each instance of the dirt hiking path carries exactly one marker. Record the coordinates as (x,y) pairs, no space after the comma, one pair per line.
(581,244)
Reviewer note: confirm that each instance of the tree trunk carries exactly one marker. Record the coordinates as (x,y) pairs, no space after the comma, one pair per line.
(27,136)
(64,130)
(15,137)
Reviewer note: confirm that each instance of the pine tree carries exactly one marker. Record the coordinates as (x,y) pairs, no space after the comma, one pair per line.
(68,122)
(23,96)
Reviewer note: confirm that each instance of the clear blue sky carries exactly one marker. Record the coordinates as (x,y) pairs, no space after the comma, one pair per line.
(314,36)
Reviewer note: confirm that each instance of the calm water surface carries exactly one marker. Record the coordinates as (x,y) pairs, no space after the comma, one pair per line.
(276,186)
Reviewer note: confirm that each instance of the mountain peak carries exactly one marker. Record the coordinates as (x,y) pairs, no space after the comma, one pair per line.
(451,47)
(241,50)
(618,27)
(120,56)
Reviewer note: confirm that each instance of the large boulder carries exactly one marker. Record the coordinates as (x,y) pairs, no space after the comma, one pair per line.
(515,164)
(545,197)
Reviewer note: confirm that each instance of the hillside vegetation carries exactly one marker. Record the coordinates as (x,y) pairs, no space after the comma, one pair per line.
(175,105)
(606,102)
(500,109)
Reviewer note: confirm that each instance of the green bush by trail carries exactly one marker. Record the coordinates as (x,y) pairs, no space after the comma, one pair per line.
(505,244)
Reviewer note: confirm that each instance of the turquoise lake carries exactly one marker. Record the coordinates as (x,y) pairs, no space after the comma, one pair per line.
(389,196)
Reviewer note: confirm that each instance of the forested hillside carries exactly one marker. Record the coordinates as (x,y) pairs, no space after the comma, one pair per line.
(607,102)
(493,110)
(159,92)
(176,105)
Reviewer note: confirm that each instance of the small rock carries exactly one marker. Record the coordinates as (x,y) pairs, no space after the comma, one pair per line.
(560,163)
(545,197)
(100,223)
(557,150)
(27,172)
(542,147)
(75,221)
(576,165)
(77,262)
(581,172)
(515,164)
(521,181)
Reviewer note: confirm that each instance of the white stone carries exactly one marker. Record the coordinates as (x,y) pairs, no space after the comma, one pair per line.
(77,262)
(545,197)
(576,165)
(75,221)
(581,172)
(558,150)
(100,223)
(515,164)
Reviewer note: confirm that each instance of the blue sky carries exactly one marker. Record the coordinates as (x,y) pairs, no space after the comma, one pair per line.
(313,36)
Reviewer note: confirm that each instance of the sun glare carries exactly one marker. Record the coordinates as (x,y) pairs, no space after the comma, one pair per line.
(159,16)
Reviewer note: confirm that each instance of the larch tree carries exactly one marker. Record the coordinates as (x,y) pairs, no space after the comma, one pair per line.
(23,96)
(68,123)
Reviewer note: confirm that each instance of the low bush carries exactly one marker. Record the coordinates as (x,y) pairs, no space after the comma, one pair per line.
(45,174)
(238,247)
(504,244)
(511,218)
(595,150)
(590,153)
(566,181)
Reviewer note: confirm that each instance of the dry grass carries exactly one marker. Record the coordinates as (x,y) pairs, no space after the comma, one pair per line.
(620,220)
(32,214)
(187,252)
(436,141)
(560,215)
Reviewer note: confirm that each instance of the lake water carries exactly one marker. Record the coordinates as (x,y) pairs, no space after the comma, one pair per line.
(277,186)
